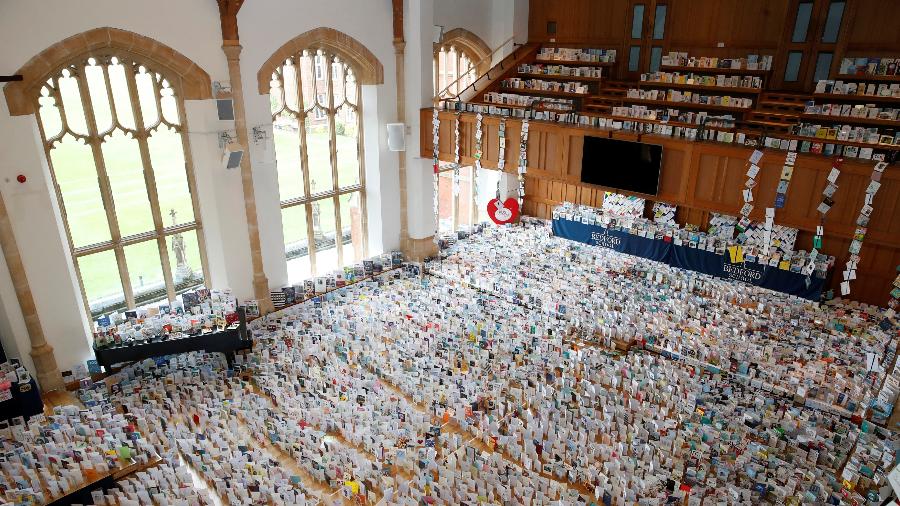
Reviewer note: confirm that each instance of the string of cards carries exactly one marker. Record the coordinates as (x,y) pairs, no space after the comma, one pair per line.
(862,223)
(523,160)
(479,152)
(825,206)
(787,172)
(435,199)
(743,224)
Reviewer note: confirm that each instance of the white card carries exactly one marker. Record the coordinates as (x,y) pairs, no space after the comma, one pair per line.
(756,156)
(845,287)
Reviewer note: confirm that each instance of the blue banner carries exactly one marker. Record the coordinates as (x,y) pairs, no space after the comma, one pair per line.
(692,259)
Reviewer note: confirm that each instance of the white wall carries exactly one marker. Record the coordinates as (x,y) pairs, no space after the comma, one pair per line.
(493,20)
(193,29)
(266,26)
(33,208)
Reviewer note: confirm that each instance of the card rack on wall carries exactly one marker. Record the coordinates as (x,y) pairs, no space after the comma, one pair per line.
(727,100)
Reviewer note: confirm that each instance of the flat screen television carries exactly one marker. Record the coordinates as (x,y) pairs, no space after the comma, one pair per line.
(621,165)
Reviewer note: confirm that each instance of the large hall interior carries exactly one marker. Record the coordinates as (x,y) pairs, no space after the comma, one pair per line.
(449,252)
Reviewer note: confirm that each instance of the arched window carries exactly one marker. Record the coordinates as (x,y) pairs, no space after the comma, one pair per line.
(113,129)
(316,112)
(455,59)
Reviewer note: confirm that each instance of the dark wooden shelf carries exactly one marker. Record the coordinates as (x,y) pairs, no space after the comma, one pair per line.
(549,93)
(657,121)
(845,97)
(686,86)
(890,147)
(714,70)
(686,105)
(558,77)
(867,77)
(576,63)
(516,106)
(851,119)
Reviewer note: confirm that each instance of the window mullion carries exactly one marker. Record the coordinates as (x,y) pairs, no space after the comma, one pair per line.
(332,141)
(114,114)
(437,75)
(304,159)
(141,135)
(364,217)
(458,72)
(192,183)
(59,200)
(103,180)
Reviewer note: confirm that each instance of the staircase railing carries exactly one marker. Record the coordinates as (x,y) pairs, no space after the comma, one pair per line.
(443,94)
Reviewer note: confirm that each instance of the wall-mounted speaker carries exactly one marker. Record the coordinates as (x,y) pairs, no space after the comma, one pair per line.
(225,109)
(396,136)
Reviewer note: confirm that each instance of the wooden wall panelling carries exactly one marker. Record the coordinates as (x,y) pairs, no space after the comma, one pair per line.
(703,177)
(690,216)
(593,21)
(673,177)
(873,28)
(709,176)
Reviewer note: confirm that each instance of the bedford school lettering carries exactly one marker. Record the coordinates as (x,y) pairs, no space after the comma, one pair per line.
(739,272)
(605,240)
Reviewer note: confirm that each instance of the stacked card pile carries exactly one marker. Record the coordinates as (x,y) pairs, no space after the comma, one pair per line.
(194,312)
(623,205)
(663,213)
(781,342)
(721,225)
(45,459)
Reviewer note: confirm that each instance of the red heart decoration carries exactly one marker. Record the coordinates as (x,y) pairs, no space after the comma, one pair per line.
(503,212)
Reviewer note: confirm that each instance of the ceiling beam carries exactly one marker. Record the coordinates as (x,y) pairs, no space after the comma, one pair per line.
(7,79)
(228,11)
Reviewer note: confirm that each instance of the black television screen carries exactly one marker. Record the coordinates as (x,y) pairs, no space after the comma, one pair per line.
(621,165)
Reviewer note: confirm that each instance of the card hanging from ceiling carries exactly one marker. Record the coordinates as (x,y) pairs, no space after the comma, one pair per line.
(787,172)
(862,225)
(436,129)
(456,157)
(823,208)
(456,139)
(479,152)
(501,134)
(523,160)
(743,224)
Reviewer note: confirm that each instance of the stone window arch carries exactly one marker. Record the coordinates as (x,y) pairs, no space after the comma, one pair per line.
(460,53)
(110,107)
(314,84)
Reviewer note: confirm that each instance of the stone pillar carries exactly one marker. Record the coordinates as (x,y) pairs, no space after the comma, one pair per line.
(232,51)
(48,375)
(400,62)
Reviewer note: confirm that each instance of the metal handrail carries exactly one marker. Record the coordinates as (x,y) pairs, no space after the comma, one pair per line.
(437,98)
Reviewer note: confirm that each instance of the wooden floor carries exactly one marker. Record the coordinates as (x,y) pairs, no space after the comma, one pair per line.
(59,398)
